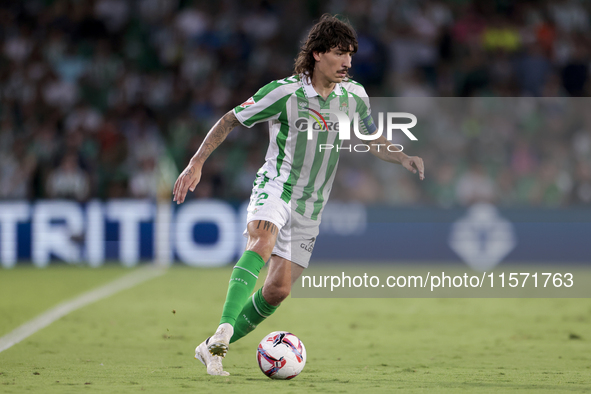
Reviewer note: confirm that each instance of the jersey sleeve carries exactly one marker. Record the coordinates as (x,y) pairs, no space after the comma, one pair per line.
(265,105)
(366,123)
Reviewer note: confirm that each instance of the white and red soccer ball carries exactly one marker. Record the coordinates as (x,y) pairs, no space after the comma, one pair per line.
(281,355)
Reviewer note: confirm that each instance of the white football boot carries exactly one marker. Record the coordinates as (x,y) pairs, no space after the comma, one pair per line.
(211,362)
(220,341)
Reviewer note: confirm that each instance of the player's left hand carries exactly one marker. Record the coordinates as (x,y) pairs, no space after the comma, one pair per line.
(414,164)
(188,180)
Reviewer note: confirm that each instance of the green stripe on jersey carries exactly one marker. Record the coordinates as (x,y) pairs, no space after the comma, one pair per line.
(316,165)
(333,159)
(296,166)
(301,141)
(361,106)
(262,106)
(282,137)
(276,108)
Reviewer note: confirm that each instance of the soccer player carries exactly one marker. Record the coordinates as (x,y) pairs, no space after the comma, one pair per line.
(293,185)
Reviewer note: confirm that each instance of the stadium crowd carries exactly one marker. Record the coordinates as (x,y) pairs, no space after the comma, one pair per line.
(95,95)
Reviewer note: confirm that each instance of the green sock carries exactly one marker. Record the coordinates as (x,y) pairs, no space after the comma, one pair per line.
(242,282)
(256,309)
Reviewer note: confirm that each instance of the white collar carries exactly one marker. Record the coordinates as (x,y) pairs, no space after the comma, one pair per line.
(311,92)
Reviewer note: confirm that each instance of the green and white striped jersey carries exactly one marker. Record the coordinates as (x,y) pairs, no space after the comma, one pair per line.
(296,169)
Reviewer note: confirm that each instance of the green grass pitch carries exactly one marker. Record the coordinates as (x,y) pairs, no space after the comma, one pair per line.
(133,342)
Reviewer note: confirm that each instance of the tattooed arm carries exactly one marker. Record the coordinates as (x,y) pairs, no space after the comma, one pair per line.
(191,175)
(216,135)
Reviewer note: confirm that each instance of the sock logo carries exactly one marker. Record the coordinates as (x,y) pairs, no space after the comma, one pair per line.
(251,326)
(240,280)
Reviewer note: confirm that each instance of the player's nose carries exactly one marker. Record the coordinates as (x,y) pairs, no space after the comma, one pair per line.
(347,61)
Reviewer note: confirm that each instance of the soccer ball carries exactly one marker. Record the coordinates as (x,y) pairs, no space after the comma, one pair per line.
(281,355)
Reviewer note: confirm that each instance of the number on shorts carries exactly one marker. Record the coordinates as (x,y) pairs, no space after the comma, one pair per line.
(262,196)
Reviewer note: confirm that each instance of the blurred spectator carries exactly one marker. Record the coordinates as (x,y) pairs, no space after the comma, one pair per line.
(19,45)
(575,73)
(143,137)
(545,34)
(360,184)
(532,71)
(112,166)
(569,15)
(582,188)
(16,170)
(475,186)
(191,22)
(113,13)
(261,23)
(522,160)
(501,36)
(6,136)
(440,186)
(83,116)
(45,144)
(144,182)
(68,180)
(59,94)
(70,66)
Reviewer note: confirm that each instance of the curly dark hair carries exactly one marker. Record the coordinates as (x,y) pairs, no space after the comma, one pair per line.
(330,32)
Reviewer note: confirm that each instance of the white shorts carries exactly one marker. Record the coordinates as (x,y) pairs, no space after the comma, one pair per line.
(297,234)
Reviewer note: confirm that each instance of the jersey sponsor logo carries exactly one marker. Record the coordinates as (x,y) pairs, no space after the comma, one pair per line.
(301,124)
(247,103)
(316,119)
(320,123)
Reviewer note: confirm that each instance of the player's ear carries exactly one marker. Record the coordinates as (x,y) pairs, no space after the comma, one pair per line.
(316,55)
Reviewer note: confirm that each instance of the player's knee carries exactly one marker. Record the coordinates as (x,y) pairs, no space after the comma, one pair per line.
(264,249)
(262,245)
(274,294)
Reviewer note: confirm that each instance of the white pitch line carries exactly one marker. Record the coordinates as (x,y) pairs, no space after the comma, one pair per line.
(48,317)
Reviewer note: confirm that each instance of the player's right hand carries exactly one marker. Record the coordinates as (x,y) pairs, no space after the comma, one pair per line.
(188,179)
